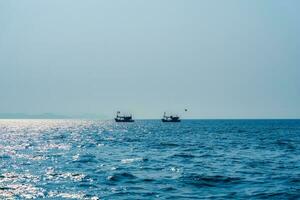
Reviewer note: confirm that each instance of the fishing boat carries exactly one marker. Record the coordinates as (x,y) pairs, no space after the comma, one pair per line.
(170,118)
(123,118)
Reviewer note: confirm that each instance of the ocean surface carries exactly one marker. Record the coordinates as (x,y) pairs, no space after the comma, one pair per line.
(194,159)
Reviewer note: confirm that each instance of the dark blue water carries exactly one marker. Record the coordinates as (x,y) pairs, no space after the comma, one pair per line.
(195,159)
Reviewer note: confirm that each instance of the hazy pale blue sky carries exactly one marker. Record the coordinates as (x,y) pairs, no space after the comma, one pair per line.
(219,59)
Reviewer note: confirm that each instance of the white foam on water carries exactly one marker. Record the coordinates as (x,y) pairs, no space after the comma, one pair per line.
(131,160)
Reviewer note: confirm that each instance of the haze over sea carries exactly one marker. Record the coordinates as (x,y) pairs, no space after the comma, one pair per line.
(148,159)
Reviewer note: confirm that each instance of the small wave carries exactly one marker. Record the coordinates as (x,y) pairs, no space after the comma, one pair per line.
(131,160)
(148,180)
(46,147)
(121,176)
(15,177)
(23,191)
(31,157)
(109,138)
(295,179)
(167,189)
(67,195)
(208,181)
(241,131)
(166,144)
(183,155)
(131,140)
(5,157)
(52,175)
(70,195)
(87,158)
(288,144)
(276,195)
(175,169)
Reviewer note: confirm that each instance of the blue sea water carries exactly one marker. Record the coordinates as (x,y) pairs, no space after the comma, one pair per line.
(194,159)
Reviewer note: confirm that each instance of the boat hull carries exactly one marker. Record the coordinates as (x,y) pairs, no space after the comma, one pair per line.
(177,120)
(121,120)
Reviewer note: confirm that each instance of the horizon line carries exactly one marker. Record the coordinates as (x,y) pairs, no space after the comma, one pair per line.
(150,119)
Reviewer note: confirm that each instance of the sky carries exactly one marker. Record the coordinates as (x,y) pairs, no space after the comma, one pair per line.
(218,59)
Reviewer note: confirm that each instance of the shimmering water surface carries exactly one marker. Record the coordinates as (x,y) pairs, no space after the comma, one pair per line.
(195,159)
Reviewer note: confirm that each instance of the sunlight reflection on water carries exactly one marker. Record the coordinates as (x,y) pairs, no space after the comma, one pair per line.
(82,159)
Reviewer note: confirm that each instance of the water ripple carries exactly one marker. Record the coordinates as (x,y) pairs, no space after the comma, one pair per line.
(195,159)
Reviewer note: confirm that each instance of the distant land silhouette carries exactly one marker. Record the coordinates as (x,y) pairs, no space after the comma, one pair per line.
(49,116)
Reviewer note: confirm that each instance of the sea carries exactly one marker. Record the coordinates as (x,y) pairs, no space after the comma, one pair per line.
(148,159)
